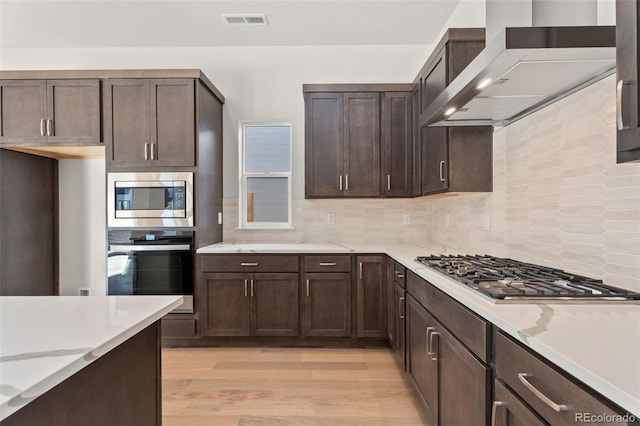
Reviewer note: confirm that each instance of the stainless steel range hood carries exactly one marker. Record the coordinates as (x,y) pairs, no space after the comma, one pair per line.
(522,70)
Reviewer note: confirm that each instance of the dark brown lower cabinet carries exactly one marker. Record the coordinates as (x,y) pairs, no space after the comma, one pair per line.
(327,304)
(509,410)
(399,304)
(452,381)
(372,297)
(260,304)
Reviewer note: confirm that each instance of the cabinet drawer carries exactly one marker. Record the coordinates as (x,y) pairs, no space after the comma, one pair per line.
(248,263)
(468,327)
(327,263)
(555,397)
(178,327)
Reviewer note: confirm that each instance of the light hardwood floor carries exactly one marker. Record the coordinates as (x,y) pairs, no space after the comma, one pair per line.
(285,386)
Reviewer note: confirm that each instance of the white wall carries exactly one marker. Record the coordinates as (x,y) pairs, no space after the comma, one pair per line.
(82,226)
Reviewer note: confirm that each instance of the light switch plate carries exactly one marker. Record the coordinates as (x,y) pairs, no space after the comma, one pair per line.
(331,218)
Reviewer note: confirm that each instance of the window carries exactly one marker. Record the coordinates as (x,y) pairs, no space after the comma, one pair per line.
(265,175)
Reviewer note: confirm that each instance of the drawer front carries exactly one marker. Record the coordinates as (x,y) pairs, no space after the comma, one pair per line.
(399,274)
(321,263)
(178,328)
(248,263)
(509,410)
(468,327)
(553,396)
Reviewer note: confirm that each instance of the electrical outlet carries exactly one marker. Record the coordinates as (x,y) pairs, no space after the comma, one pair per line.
(447,221)
(486,222)
(331,218)
(84,291)
(406,219)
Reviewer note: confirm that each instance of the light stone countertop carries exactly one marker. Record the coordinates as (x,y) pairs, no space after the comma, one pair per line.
(46,339)
(598,343)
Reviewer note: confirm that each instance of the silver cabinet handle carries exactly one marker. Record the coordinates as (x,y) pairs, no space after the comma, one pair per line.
(619,119)
(400,307)
(251,288)
(556,407)
(49,127)
(346,182)
(428,335)
(327,263)
(248,263)
(42,127)
(494,411)
(307,288)
(340,182)
(360,270)
(434,354)
(398,274)
(442,171)
(146,151)
(388,182)
(153,150)
(245,287)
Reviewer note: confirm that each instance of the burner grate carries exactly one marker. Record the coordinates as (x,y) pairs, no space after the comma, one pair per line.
(503,278)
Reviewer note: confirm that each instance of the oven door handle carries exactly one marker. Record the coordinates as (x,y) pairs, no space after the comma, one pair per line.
(162,247)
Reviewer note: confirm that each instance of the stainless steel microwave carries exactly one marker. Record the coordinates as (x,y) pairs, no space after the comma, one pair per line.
(150,200)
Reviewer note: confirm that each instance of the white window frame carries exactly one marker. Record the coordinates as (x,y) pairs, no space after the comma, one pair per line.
(243,176)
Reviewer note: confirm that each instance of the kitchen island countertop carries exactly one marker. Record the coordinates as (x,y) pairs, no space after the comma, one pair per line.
(598,343)
(46,339)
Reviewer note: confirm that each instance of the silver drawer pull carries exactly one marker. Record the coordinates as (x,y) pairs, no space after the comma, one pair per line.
(434,354)
(248,264)
(327,264)
(401,307)
(619,120)
(556,407)
(245,287)
(399,274)
(442,179)
(42,127)
(49,127)
(494,411)
(429,330)
(307,288)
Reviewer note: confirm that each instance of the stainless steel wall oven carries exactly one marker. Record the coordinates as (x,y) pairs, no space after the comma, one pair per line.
(151,263)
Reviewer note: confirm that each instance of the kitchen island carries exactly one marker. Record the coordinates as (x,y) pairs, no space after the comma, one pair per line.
(81,360)
(596,343)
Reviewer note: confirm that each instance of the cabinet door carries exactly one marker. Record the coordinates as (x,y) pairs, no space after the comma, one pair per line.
(127,122)
(73,111)
(434,80)
(416,161)
(391,305)
(628,79)
(421,368)
(228,304)
(274,304)
(463,382)
(397,144)
(324,145)
(400,309)
(362,144)
(327,304)
(509,410)
(434,160)
(172,122)
(23,110)
(371,297)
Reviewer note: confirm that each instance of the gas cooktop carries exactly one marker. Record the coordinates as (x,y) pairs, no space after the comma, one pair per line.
(510,280)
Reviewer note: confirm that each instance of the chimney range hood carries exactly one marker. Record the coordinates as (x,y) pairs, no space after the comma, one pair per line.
(522,70)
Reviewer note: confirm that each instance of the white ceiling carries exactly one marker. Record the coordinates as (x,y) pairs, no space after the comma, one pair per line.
(176,23)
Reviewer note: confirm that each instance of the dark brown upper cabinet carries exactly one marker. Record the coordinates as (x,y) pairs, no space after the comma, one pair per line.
(628,80)
(452,159)
(342,144)
(150,122)
(358,140)
(42,112)
(397,144)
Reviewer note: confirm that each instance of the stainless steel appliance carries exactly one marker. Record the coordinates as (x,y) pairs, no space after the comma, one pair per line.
(507,280)
(151,263)
(150,200)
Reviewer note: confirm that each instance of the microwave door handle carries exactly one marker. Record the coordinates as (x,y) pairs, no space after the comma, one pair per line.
(150,247)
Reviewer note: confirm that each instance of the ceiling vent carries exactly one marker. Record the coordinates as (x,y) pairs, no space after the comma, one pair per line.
(246,19)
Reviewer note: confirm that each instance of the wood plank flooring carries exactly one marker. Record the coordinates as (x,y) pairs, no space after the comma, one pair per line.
(285,386)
